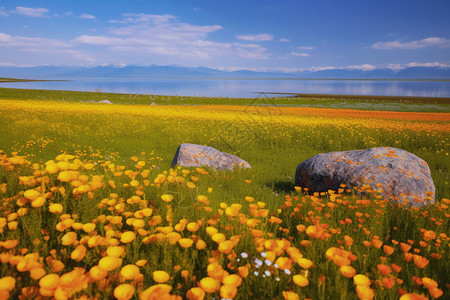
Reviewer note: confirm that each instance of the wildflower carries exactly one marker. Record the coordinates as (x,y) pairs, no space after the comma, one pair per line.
(78,253)
(195,293)
(305,263)
(55,208)
(97,273)
(420,261)
(364,292)
(360,279)
(185,242)
(127,237)
(130,272)
(109,263)
(167,198)
(288,295)
(412,296)
(233,279)
(115,251)
(347,271)
(7,283)
(300,280)
(31,194)
(228,291)
(209,284)
(388,282)
(159,291)
(161,276)
(315,232)
(384,269)
(124,291)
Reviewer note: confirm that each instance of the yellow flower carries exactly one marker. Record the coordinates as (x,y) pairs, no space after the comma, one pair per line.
(287,295)
(300,280)
(50,281)
(31,194)
(361,280)
(185,242)
(228,291)
(305,263)
(115,251)
(218,237)
(97,273)
(192,226)
(69,238)
(161,276)
(128,237)
(412,296)
(124,291)
(55,208)
(167,198)
(7,283)
(78,253)
(38,202)
(159,291)
(129,272)
(209,285)
(364,292)
(233,279)
(88,227)
(195,293)
(109,263)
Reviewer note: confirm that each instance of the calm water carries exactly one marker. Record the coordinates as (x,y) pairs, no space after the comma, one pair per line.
(243,88)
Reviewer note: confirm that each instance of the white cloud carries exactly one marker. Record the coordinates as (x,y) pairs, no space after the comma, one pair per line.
(365,67)
(284,40)
(428,42)
(397,67)
(87,16)
(305,48)
(256,38)
(143,19)
(293,53)
(31,12)
(3,12)
(99,40)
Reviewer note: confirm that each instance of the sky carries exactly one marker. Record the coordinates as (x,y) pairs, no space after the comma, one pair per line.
(263,35)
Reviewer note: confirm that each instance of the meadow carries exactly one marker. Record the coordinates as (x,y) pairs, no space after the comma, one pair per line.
(92,209)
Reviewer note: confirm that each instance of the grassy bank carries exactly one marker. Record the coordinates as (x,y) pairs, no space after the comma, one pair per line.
(419,104)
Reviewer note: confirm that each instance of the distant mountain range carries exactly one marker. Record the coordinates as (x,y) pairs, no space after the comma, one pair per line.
(61,72)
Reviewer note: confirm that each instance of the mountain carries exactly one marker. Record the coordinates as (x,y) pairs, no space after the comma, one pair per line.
(111,71)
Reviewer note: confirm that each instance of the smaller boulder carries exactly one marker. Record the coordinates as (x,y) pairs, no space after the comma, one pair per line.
(105,101)
(192,155)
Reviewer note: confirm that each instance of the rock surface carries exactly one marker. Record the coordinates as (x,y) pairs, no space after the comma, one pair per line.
(105,101)
(192,155)
(400,174)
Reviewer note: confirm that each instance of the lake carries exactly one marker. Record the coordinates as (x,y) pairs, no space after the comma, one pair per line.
(243,88)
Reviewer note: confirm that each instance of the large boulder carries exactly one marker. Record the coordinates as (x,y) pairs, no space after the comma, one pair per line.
(192,155)
(401,175)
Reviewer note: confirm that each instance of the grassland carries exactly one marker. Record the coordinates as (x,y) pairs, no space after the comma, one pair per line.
(124,214)
(381,103)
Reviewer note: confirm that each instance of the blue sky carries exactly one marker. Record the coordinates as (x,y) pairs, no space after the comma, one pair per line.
(283,35)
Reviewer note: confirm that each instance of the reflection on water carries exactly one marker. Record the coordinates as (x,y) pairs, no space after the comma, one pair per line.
(241,88)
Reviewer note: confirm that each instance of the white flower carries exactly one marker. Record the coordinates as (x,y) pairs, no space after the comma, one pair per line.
(244,255)
(268,262)
(267,272)
(287,271)
(263,254)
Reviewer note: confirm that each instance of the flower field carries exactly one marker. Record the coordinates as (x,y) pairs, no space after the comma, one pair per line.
(92,210)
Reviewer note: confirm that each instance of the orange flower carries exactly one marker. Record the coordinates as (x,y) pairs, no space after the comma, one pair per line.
(124,291)
(384,269)
(348,241)
(159,291)
(412,296)
(405,247)
(195,293)
(243,271)
(347,271)
(288,295)
(127,237)
(388,249)
(305,263)
(388,282)
(130,272)
(315,232)
(429,283)
(420,261)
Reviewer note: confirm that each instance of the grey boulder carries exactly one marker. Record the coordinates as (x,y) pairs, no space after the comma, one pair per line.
(400,175)
(192,155)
